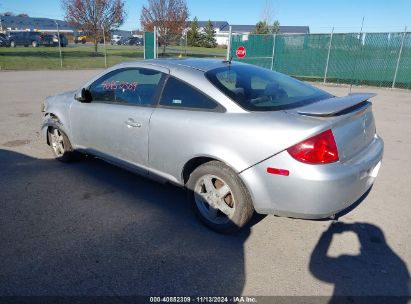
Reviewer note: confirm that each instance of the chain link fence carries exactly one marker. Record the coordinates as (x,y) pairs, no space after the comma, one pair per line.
(378,59)
(79,52)
(71,52)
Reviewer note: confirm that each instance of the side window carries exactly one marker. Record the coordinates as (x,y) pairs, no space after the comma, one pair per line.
(177,94)
(136,86)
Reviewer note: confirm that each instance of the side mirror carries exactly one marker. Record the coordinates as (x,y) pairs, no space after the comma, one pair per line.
(83,96)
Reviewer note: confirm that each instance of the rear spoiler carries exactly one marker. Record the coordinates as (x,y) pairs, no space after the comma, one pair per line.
(335,105)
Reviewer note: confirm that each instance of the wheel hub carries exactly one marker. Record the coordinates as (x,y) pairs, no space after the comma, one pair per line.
(214,198)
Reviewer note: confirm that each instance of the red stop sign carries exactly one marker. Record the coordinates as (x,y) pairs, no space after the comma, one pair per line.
(240,52)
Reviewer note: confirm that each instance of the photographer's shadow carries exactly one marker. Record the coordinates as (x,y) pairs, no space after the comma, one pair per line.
(91,229)
(376,271)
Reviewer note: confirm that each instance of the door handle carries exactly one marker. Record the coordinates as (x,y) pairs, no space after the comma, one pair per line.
(132,124)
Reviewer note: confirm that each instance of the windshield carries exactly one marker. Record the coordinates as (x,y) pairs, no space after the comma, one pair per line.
(259,89)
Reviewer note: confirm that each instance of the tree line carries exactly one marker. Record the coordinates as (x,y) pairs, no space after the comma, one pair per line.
(262,27)
(204,38)
(96,17)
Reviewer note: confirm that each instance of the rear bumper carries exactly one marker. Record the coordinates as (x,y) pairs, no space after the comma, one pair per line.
(312,191)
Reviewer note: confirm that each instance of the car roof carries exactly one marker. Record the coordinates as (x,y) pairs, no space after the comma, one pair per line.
(200,64)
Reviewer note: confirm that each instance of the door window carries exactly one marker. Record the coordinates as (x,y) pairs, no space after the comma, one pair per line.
(135,86)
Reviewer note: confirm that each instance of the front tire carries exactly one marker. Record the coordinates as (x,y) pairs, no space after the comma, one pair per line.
(60,145)
(220,198)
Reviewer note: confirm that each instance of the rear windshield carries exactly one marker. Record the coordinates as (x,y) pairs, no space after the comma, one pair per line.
(259,89)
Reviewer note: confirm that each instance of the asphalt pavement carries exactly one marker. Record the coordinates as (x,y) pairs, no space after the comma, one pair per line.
(89,228)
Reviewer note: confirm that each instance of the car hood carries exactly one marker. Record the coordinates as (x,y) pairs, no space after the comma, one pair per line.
(62,98)
(63,95)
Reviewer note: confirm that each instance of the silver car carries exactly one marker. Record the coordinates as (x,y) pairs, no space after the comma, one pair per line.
(238,137)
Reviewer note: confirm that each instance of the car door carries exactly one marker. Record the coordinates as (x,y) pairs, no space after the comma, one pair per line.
(115,124)
(181,126)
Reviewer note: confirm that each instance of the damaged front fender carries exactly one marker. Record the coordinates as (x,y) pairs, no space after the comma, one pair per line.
(50,120)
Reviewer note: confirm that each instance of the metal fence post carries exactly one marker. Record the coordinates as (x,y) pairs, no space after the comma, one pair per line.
(144,46)
(58,36)
(272,55)
(105,48)
(399,57)
(185,50)
(155,43)
(356,59)
(229,44)
(328,56)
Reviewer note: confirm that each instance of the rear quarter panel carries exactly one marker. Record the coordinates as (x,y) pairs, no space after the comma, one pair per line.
(238,139)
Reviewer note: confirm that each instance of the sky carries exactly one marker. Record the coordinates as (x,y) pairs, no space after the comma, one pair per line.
(320,15)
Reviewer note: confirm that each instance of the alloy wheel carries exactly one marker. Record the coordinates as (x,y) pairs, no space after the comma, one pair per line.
(214,199)
(57,142)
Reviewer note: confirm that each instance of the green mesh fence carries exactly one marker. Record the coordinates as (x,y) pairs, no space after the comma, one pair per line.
(403,79)
(149,52)
(259,49)
(364,58)
(353,58)
(301,55)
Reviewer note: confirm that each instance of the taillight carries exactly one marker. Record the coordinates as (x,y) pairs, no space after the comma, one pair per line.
(319,149)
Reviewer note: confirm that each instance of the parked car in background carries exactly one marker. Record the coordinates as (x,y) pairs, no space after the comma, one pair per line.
(116,39)
(47,40)
(238,137)
(132,41)
(4,40)
(24,39)
(80,39)
(34,39)
(63,40)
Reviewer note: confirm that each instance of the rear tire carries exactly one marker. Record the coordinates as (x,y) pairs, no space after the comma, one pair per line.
(60,145)
(219,197)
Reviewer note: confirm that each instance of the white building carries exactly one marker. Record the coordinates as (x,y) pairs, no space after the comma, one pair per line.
(222,29)
(218,27)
